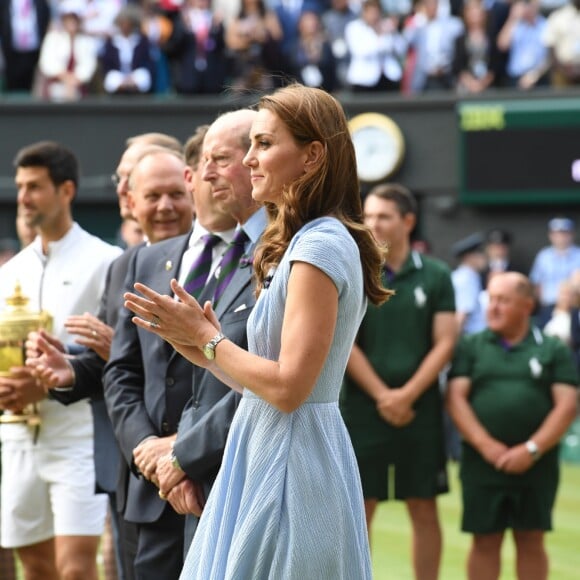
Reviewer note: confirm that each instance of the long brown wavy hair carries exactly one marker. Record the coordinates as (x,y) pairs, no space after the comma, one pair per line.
(331,188)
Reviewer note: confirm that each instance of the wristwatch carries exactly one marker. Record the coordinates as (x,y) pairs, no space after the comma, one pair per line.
(533,449)
(209,348)
(174,461)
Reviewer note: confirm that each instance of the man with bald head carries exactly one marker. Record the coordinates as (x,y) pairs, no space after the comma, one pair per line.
(512,394)
(147,384)
(134,147)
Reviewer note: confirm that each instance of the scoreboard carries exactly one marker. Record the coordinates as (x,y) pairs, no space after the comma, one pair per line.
(519,152)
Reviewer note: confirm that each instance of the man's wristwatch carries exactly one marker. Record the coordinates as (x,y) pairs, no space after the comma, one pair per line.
(174,461)
(209,348)
(533,449)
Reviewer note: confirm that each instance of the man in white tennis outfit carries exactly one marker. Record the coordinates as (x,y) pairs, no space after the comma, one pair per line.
(49,511)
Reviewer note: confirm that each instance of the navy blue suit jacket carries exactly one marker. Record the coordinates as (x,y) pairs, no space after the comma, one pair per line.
(147,384)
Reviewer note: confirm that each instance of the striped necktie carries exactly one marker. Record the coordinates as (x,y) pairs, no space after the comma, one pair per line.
(199,272)
(229,263)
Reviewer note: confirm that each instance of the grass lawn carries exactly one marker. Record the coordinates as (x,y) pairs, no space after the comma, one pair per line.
(391,533)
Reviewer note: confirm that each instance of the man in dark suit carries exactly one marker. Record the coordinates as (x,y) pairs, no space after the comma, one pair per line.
(23,24)
(81,376)
(147,385)
(185,476)
(498,246)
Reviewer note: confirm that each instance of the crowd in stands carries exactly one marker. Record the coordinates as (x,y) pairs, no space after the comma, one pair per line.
(66,49)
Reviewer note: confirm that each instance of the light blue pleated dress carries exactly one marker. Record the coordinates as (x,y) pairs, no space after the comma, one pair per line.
(287,503)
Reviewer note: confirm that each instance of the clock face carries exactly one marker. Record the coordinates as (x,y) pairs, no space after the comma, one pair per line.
(378,144)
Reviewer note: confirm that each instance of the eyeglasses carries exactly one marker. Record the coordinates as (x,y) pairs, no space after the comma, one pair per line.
(116,179)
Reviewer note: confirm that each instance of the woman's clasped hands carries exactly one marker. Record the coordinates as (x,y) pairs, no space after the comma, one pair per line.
(183,323)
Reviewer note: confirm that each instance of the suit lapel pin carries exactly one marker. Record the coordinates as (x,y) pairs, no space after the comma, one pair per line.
(246,261)
(168,265)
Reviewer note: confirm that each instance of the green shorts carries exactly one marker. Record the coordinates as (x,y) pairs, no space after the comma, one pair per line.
(489,509)
(407,469)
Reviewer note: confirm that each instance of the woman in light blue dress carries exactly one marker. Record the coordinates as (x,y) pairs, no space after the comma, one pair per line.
(287,503)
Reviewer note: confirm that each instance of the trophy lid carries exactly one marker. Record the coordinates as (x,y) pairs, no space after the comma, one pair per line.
(17,300)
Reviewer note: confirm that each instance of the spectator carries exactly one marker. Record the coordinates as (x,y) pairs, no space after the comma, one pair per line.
(376,51)
(470,308)
(254,42)
(512,395)
(165,30)
(553,265)
(467,283)
(99,18)
(475,56)
(575,317)
(498,250)
(23,24)
(560,323)
(312,57)
(203,65)
(561,37)
(126,59)
(433,38)
(334,21)
(68,57)
(497,14)
(131,232)
(521,36)
(391,401)
(288,12)
(409,24)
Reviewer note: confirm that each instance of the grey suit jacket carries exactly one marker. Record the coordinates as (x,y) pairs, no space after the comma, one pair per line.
(206,420)
(147,384)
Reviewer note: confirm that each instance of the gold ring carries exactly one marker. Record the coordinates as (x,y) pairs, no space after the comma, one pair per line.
(162,496)
(94,332)
(154,323)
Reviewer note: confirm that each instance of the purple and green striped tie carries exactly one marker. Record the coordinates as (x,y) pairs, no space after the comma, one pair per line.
(199,272)
(229,263)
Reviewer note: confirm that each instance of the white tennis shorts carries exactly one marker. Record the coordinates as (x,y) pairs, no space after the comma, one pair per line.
(48,492)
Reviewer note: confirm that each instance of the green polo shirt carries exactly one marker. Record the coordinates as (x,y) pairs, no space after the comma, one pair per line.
(396,337)
(511,394)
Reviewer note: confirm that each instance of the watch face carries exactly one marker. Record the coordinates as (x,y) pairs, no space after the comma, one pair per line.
(209,352)
(378,144)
